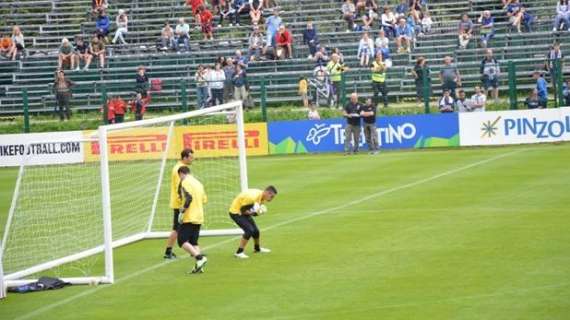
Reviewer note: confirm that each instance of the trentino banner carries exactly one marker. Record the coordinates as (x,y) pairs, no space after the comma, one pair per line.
(395,132)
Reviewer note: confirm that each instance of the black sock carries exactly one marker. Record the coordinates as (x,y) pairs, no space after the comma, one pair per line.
(239,250)
(199,257)
(256,247)
(168,250)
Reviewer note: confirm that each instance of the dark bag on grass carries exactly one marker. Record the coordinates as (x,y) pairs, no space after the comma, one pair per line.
(44,283)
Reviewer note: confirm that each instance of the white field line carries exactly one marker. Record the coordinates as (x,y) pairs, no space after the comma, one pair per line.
(48,307)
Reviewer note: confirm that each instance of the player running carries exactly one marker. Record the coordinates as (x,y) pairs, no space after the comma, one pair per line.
(191,216)
(245,206)
(186,157)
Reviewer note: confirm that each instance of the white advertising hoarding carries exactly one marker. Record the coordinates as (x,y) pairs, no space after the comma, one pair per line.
(514,127)
(45,148)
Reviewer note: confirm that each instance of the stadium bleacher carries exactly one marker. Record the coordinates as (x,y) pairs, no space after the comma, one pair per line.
(46,22)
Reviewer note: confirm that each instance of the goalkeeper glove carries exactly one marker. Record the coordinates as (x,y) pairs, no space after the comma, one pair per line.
(262,209)
(181,216)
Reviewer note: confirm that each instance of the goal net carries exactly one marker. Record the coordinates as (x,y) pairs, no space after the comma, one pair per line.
(66,218)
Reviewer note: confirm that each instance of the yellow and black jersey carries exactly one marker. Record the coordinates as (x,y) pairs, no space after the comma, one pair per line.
(245,200)
(175,200)
(194,197)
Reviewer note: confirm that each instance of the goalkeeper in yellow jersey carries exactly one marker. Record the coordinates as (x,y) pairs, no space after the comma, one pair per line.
(186,157)
(245,206)
(191,216)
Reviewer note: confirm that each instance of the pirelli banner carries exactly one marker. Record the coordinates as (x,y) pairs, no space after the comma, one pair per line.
(207,141)
(41,148)
(135,144)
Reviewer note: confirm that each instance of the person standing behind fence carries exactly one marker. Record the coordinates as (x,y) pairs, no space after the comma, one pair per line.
(62,89)
(335,68)
(542,89)
(239,81)
(216,80)
(449,76)
(379,81)
(368,114)
(352,129)
(201,86)
(490,72)
(420,71)
(229,71)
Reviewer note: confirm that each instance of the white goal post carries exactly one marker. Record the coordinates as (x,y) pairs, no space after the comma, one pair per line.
(88,208)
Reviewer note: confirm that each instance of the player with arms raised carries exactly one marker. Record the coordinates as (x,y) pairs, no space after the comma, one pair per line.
(186,157)
(191,216)
(245,206)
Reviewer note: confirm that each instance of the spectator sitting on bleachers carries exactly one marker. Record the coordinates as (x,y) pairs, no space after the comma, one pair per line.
(216,79)
(360,6)
(6,45)
(566,92)
(201,86)
(490,72)
(518,16)
(416,9)
(82,53)
(102,25)
(321,57)
(446,102)
(311,39)
(239,80)
(449,76)
(284,43)
(271,27)
(426,23)
(487,29)
(18,44)
(465,29)
(255,44)
(97,50)
(65,56)
(372,8)
(478,100)
(415,27)
(381,41)
(349,14)
(365,50)
(269,4)
(217,6)
(402,9)
(167,38)
(388,22)
(367,22)
(182,35)
(404,36)
(562,15)
(255,10)
(142,82)
(226,12)
(240,7)
(532,101)
(122,22)
(206,18)
(542,89)
(97,6)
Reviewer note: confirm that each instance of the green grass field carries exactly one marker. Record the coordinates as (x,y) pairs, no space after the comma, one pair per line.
(440,234)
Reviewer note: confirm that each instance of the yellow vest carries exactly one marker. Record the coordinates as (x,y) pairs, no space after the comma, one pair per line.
(335,71)
(195,213)
(246,198)
(378,76)
(175,201)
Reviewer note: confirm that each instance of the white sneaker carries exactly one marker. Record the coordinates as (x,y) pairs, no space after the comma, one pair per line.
(200,264)
(77,69)
(263,250)
(241,255)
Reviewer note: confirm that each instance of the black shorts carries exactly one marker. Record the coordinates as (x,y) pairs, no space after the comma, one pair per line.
(188,232)
(246,223)
(175,223)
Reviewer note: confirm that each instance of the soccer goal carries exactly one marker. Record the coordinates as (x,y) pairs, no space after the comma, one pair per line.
(67,217)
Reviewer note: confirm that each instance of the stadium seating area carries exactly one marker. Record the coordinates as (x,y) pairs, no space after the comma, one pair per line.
(45,22)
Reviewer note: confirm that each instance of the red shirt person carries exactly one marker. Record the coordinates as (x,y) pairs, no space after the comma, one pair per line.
(119,107)
(195,5)
(206,18)
(284,42)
